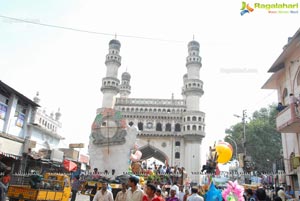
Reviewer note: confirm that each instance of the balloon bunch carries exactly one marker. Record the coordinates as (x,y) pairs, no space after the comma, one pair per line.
(233,192)
(213,193)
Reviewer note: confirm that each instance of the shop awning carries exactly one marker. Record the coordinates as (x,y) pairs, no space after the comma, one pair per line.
(70,165)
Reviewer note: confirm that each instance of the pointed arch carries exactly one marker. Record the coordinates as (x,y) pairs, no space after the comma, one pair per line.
(149,151)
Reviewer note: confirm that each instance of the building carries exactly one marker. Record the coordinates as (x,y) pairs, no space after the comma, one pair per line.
(170,130)
(26,131)
(285,79)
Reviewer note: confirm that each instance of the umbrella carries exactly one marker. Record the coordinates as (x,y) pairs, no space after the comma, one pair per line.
(69,165)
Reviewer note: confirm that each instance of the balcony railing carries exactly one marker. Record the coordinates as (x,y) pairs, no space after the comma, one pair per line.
(288,120)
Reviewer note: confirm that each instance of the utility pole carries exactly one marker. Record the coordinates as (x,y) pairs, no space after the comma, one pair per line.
(244,130)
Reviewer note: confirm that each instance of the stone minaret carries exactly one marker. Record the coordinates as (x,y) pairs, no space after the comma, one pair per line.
(125,88)
(193,118)
(110,83)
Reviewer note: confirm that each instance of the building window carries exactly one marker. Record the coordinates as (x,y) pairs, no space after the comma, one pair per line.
(158,127)
(177,143)
(188,127)
(140,126)
(298,79)
(177,155)
(168,127)
(194,127)
(194,118)
(188,118)
(177,127)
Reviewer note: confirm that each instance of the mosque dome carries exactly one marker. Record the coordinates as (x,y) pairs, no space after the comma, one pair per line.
(115,43)
(193,45)
(126,76)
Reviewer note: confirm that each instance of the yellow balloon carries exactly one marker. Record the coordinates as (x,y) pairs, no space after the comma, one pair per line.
(224,152)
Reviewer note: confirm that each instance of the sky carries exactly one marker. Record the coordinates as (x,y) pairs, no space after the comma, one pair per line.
(67,66)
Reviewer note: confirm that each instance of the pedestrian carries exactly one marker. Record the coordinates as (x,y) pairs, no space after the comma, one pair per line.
(173,196)
(4,185)
(121,195)
(159,195)
(186,195)
(181,193)
(134,193)
(150,193)
(195,196)
(75,187)
(103,194)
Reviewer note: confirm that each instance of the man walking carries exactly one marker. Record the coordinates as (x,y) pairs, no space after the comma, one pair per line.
(134,193)
(195,196)
(103,194)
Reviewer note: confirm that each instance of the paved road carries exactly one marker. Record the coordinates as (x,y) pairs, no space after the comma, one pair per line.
(82,198)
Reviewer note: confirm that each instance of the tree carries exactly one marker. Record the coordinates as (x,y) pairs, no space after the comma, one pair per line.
(263,141)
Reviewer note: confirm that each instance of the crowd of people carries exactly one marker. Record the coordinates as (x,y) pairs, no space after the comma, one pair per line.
(133,191)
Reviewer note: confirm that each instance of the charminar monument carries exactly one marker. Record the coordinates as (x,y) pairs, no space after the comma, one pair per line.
(170,130)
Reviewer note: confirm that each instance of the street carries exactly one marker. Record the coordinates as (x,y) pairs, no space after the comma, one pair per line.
(81,197)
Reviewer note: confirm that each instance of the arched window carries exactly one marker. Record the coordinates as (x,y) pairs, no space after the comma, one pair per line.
(158,127)
(194,127)
(177,127)
(194,118)
(199,118)
(200,128)
(188,118)
(177,155)
(168,127)
(177,143)
(285,92)
(140,126)
(188,127)
(298,79)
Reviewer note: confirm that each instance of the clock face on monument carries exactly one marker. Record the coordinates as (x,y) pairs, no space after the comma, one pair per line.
(108,128)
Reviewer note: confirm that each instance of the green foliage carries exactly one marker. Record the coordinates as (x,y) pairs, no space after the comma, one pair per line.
(263,141)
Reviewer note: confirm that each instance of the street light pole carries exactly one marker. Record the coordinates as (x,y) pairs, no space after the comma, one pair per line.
(244,130)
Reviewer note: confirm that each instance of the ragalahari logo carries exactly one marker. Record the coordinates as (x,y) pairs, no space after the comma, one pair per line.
(246,8)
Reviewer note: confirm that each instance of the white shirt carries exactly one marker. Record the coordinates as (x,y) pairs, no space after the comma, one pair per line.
(121,196)
(107,196)
(181,195)
(136,195)
(195,197)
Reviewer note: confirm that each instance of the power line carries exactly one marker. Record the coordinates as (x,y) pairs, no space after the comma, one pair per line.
(87,31)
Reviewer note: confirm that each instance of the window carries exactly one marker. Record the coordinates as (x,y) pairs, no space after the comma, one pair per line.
(177,143)
(177,127)
(298,79)
(140,126)
(177,155)
(158,127)
(194,118)
(168,127)
(188,127)
(188,118)
(194,127)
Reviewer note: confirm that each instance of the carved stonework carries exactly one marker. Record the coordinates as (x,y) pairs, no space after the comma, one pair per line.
(108,128)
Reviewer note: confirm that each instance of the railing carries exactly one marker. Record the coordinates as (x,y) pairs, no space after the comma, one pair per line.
(288,120)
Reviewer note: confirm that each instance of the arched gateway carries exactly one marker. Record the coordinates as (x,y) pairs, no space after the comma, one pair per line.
(149,151)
